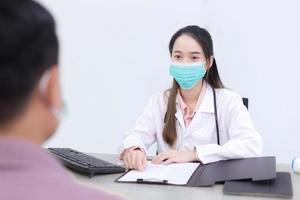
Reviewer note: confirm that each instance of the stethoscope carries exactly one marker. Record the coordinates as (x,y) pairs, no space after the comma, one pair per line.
(216,115)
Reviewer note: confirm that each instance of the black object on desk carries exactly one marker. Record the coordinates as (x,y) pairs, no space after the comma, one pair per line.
(84,163)
(279,187)
(255,169)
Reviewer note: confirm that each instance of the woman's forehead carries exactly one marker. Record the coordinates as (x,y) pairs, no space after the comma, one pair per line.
(186,43)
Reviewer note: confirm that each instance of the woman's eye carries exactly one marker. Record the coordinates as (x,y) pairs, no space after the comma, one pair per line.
(177,56)
(195,58)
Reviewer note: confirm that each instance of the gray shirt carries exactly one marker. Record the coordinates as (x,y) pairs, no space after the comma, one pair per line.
(27,172)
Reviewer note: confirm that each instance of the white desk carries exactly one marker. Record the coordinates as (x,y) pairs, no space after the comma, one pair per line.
(158,192)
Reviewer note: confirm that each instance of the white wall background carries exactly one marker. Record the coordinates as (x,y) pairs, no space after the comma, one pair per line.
(114,56)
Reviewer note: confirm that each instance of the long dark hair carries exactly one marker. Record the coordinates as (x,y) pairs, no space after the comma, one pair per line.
(212,77)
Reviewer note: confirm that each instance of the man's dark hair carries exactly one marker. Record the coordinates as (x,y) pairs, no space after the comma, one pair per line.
(28,47)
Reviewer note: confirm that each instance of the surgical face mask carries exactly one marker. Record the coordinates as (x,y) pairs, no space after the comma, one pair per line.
(187,75)
(59,113)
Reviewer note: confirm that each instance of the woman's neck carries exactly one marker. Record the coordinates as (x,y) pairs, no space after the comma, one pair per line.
(191,96)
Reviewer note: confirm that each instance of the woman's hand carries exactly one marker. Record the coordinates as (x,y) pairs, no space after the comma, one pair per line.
(174,156)
(135,159)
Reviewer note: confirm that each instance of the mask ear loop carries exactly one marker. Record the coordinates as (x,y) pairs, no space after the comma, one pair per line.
(44,81)
(206,75)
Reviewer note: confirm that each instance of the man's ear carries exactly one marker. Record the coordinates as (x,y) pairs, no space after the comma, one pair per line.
(50,87)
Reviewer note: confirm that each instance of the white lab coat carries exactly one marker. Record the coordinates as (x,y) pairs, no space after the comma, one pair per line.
(238,137)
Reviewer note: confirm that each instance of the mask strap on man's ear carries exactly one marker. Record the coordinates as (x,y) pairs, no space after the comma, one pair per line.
(43,84)
(44,81)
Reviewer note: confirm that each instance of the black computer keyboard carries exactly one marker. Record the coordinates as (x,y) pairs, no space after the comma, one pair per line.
(84,163)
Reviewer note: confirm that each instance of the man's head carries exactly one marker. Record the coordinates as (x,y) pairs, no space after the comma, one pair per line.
(29,83)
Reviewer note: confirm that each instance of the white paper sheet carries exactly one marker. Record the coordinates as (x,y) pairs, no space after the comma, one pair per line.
(177,173)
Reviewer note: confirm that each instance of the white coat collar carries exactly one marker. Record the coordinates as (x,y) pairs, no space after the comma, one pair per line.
(207,104)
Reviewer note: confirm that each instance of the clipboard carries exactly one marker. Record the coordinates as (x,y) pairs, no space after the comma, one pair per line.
(255,169)
(173,174)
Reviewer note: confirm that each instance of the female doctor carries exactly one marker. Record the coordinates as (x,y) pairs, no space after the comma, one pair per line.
(197,119)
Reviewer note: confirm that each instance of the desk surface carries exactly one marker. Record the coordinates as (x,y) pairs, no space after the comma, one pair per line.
(157,192)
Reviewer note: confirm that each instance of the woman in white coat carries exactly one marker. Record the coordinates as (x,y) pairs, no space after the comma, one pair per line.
(197,119)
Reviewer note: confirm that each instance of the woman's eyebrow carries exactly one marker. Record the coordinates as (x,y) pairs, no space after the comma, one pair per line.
(195,52)
(192,52)
(177,51)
